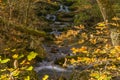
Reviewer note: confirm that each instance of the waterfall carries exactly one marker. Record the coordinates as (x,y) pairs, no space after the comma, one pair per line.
(66,9)
(63,8)
(51,17)
(49,66)
(56,33)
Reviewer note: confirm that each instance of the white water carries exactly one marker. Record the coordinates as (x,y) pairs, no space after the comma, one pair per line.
(63,8)
(50,67)
(51,17)
(66,9)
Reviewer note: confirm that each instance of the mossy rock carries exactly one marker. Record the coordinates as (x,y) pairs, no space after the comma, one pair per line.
(65,19)
(68,2)
(63,14)
(43,8)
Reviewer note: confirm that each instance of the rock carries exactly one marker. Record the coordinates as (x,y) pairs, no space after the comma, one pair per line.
(57,23)
(62,26)
(54,49)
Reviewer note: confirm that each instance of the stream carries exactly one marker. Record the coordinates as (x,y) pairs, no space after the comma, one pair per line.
(55,52)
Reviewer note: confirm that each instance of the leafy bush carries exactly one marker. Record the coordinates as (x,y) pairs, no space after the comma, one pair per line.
(17,66)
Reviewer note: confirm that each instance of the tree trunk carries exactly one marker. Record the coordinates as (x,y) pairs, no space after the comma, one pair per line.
(108,13)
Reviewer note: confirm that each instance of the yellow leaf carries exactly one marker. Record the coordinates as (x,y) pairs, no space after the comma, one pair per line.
(29,68)
(72,61)
(15,56)
(31,55)
(84,35)
(23,62)
(118,58)
(93,41)
(94,74)
(83,48)
(16,72)
(117,48)
(101,24)
(45,77)
(5,60)
(13,50)
(81,41)
(97,51)
(73,49)
(7,49)
(27,78)
(113,51)
(115,18)
(3,77)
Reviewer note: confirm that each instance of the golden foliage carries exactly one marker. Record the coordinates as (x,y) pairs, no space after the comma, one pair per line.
(98,54)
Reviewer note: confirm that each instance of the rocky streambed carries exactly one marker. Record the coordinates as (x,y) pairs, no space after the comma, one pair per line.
(55,52)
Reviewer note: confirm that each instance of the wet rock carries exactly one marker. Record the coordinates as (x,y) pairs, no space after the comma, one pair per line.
(54,49)
(57,23)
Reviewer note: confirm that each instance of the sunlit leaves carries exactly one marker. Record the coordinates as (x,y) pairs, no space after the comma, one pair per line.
(27,78)
(102,24)
(2,77)
(117,48)
(30,68)
(6,49)
(16,72)
(13,50)
(15,56)
(83,49)
(81,27)
(84,36)
(20,56)
(115,18)
(17,68)
(118,58)
(93,41)
(81,41)
(45,77)
(97,52)
(5,60)
(31,56)
(72,61)
(112,67)
(100,76)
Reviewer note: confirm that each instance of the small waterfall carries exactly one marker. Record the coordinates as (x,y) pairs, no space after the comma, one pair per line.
(66,9)
(54,52)
(49,66)
(51,17)
(63,9)
(56,33)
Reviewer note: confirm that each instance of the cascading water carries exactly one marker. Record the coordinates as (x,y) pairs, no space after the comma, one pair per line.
(63,8)
(66,9)
(46,66)
(51,17)
(49,66)
(56,33)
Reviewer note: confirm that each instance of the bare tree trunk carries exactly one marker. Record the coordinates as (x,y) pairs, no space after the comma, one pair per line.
(108,13)
(27,11)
